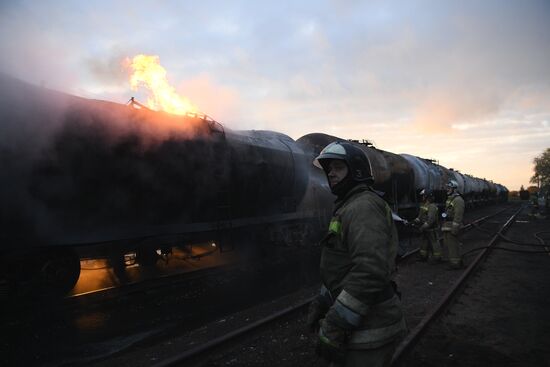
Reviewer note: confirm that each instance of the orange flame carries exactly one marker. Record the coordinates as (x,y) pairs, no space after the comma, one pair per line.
(147,72)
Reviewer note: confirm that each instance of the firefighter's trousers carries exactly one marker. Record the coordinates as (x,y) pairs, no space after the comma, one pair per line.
(429,243)
(452,243)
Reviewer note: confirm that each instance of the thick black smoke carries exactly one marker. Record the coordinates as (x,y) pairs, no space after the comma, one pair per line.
(83,170)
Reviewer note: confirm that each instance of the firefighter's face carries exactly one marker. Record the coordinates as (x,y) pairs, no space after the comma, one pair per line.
(337,170)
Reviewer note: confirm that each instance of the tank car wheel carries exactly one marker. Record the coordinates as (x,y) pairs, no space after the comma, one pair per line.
(59,271)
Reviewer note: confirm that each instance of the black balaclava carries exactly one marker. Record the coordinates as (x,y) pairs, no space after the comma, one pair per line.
(344,186)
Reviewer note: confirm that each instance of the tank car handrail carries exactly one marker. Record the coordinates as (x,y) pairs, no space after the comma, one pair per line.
(214,125)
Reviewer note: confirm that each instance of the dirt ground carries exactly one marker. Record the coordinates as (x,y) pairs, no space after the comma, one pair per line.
(502,319)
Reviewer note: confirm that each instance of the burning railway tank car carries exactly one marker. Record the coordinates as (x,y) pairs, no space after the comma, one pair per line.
(91,178)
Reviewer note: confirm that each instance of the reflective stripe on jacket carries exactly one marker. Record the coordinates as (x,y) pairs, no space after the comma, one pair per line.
(454,207)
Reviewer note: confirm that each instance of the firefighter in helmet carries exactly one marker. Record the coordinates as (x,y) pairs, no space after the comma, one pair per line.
(357,313)
(428,224)
(452,224)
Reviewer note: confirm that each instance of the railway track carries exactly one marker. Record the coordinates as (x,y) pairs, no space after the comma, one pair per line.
(152,294)
(157,284)
(467,227)
(416,333)
(499,317)
(97,325)
(198,354)
(114,295)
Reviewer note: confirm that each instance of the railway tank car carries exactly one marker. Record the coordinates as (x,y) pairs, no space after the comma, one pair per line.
(502,193)
(87,178)
(428,174)
(400,178)
(91,178)
(475,191)
(393,176)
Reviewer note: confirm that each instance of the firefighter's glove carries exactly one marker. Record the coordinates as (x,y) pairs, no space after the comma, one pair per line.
(317,310)
(332,342)
(334,334)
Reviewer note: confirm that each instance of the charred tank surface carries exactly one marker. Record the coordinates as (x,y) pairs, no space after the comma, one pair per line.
(105,170)
(269,172)
(83,176)
(79,172)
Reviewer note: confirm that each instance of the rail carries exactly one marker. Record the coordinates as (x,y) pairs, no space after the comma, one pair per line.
(467,227)
(201,351)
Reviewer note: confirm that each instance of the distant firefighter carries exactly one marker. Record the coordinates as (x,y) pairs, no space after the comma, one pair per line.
(357,310)
(428,224)
(452,224)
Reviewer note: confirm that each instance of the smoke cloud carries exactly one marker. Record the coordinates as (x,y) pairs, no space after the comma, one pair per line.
(85,170)
(110,70)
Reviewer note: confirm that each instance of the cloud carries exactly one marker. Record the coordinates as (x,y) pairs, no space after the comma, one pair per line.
(442,110)
(448,78)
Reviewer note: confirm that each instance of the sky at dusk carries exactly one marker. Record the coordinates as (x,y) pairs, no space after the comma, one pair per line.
(464,82)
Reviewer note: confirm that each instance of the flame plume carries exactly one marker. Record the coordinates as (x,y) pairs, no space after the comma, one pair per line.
(146,71)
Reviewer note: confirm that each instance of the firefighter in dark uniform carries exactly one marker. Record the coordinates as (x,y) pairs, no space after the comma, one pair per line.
(452,224)
(357,313)
(428,224)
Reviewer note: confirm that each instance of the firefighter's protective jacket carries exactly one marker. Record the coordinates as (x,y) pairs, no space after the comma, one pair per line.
(357,263)
(454,208)
(427,215)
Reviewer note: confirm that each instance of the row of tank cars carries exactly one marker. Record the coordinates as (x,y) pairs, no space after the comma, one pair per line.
(85,178)
(475,191)
(400,177)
